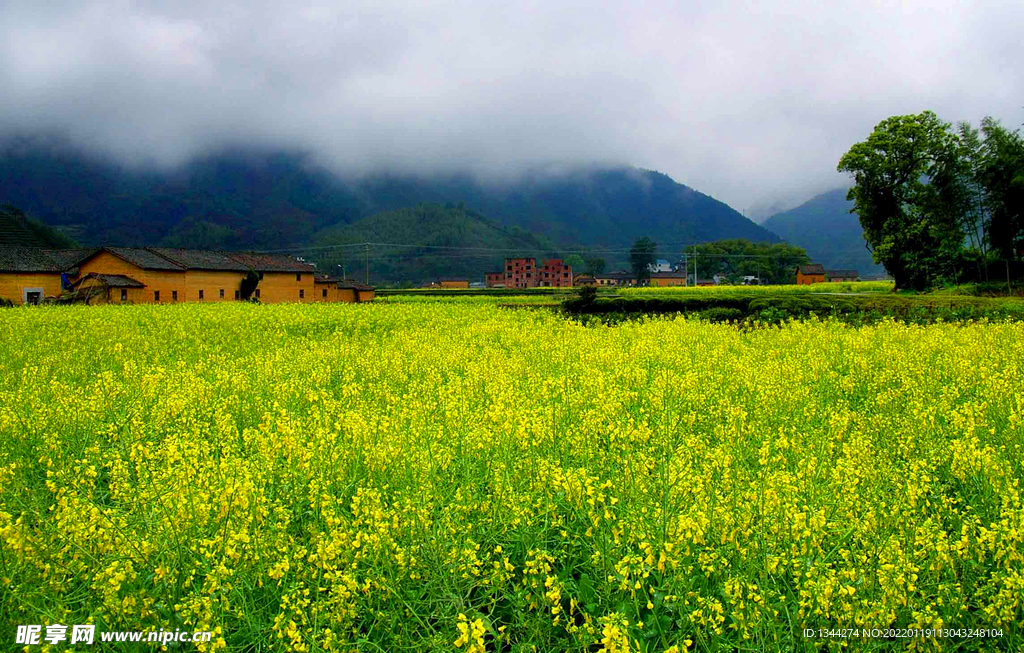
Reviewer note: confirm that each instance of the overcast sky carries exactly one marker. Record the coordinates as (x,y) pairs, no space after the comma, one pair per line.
(750,102)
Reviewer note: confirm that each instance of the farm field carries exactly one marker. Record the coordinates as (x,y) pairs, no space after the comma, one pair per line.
(448,475)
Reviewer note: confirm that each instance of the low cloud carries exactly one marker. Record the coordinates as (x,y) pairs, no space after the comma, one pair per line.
(750,102)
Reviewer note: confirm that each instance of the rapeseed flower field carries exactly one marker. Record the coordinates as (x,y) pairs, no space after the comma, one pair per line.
(455,476)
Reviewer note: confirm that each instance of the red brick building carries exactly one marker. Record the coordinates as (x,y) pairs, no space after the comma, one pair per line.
(524,273)
(520,273)
(554,273)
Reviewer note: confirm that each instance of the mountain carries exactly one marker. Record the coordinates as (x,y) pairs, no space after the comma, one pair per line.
(828,231)
(449,241)
(275,200)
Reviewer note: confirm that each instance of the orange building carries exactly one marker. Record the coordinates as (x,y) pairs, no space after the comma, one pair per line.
(96,288)
(668,279)
(615,279)
(329,289)
(808,274)
(584,280)
(453,282)
(165,275)
(28,275)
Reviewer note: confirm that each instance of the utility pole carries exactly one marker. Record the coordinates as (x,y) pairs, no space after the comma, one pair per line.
(694,265)
(366,257)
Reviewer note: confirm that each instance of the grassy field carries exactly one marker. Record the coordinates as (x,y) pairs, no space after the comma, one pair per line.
(447,475)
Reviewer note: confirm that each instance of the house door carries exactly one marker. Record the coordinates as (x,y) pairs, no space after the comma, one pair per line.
(33,295)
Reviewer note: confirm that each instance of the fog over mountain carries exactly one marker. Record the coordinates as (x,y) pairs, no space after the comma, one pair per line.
(748,102)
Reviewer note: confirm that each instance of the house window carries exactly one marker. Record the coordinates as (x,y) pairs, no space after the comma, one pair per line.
(238,294)
(325,292)
(298,276)
(302,293)
(174,295)
(257,293)
(156,295)
(200,295)
(222,293)
(124,294)
(33,295)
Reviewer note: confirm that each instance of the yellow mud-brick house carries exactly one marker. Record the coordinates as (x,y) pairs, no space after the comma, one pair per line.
(163,275)
(28,275)
(811,273)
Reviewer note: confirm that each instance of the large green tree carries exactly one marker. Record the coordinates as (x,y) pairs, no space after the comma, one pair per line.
(1000,173)
(595,265)
(575,261)
(908,225)
(642,256)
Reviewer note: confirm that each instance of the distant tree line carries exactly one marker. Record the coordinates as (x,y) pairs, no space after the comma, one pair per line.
(939,204)
(771,263)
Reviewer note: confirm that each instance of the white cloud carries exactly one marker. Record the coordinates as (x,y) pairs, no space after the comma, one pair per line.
(751,102)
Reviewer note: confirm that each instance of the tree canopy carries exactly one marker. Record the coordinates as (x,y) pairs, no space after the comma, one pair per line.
(930,199)
(772,263)
(642,256)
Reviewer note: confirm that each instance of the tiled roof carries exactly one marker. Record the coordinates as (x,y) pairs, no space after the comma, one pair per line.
(842,273)
(32,259)
(200,259)
(271,262)
(813,268)
(144,258)
(112,280)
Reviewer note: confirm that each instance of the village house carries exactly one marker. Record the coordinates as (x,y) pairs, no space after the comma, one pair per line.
(495,280)
(165,275)
(584,280)
(331,289)
(668,279)
(842,275)
(453,282)
(620,278)
(811,273)
(28,275)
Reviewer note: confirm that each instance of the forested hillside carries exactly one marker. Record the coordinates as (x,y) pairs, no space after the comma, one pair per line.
(828,231)
(424,242)
(279,199)
(17,230)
